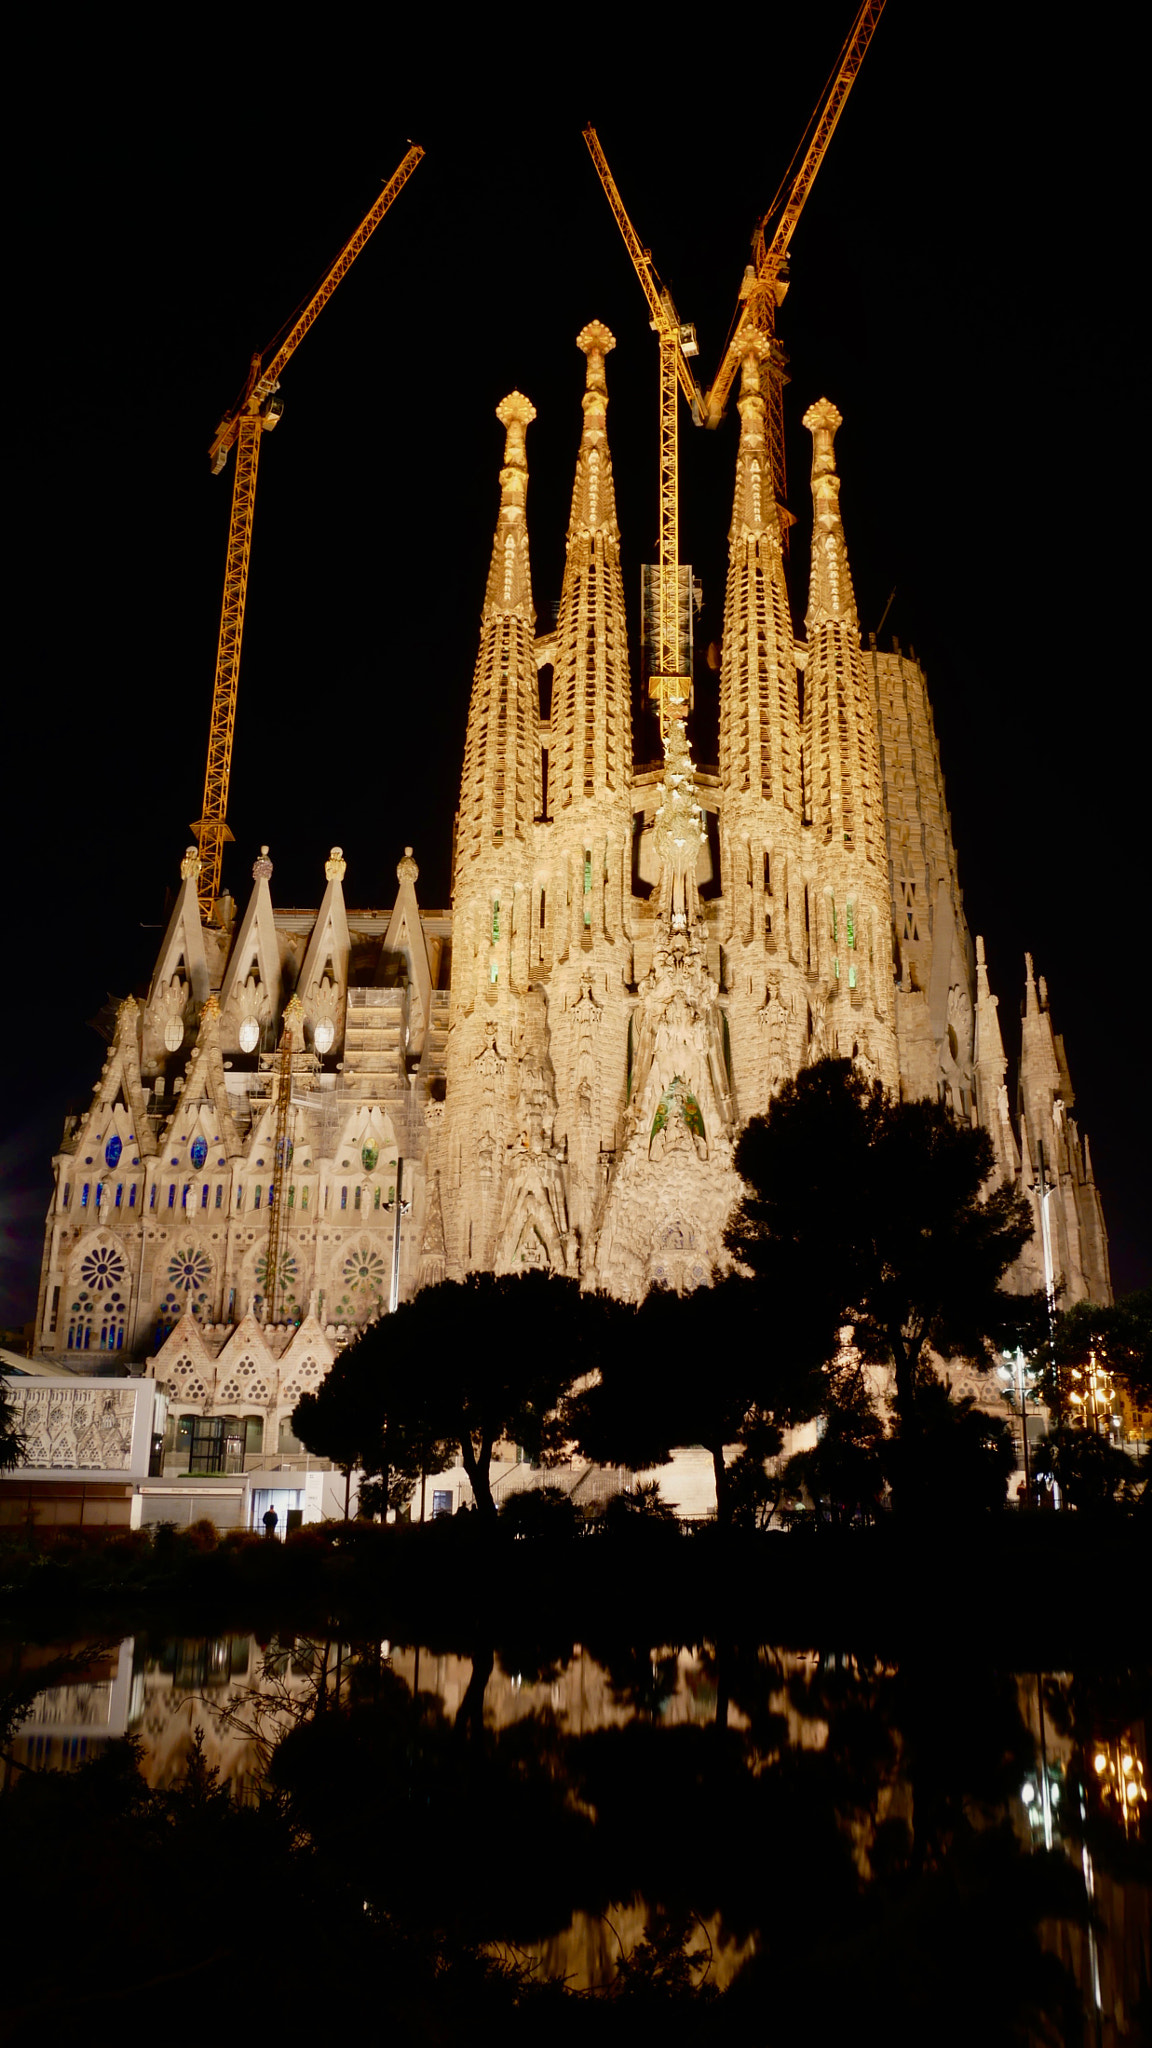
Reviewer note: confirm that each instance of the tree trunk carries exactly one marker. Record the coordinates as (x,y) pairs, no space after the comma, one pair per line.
(470,1712)
(723,1491)
(478,1466)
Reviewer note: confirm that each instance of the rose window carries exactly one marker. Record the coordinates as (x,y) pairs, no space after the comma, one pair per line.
(103,1267)
(190,1269)
(365,1271)
(289,1272)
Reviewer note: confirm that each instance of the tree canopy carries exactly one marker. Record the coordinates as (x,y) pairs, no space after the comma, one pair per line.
(461,1368)
(890,1209)
(733,1364)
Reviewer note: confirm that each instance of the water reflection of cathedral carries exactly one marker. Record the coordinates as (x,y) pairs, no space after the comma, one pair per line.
(554,1071)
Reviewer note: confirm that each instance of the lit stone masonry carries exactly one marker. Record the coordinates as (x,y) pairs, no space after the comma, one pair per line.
(848,913)
(761,806)
(554,1072)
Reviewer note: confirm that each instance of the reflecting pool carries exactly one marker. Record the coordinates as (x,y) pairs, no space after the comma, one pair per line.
(814,1822)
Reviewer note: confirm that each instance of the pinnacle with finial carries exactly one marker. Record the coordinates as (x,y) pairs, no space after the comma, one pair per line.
(595,342)
(191,865)
(406,868)
(336,867)
(262,868)
(823,421)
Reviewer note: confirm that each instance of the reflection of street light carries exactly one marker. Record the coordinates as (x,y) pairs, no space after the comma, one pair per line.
(1120,1781)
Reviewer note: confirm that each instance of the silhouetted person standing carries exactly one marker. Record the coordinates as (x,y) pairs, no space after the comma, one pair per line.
(270,1521)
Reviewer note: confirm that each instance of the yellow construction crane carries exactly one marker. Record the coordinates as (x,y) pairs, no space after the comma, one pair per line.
(763,290)
(671,682)
(254,414)
(766,277)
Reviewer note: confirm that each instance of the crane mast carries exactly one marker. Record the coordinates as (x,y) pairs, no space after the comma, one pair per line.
(670,684)
(766,277)
(256,412)
(762,292)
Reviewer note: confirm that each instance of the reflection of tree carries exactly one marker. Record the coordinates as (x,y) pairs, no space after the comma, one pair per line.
(853,1822)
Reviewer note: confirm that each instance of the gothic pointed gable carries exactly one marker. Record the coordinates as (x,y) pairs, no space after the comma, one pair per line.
(204,1088)
(405,935)
(181,978)
(183,1364)
(591,753)
(308,1356)
(117,1118)
(323,983)
(252,986)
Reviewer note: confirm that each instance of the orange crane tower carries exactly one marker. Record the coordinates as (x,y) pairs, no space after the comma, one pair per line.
(765,281)
(765,284)
(671,682)
(255,413)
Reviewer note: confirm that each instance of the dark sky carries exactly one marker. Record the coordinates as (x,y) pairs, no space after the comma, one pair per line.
(963,286)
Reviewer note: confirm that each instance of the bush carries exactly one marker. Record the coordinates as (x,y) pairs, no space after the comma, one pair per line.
(540,1511)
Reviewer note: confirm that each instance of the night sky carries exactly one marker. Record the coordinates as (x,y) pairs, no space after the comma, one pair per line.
(963,287)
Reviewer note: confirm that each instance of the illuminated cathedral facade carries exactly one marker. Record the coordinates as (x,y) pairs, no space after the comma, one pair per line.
(553,1072)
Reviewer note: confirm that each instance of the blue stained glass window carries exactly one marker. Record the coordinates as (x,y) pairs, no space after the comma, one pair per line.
(199,1151)
(132,1196)
(84,1196)
(204,1196)
(171,1198)
(113,1149)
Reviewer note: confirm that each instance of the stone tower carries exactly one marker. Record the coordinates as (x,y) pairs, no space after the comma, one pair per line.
(761,793)
(848,915)
(585,951)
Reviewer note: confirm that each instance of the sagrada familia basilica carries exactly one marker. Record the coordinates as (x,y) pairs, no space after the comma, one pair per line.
(554,1071)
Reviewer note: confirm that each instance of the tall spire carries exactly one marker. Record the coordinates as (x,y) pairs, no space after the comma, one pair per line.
(500,788)
(759,715)
(841,751)
(990,1070)
(591,752)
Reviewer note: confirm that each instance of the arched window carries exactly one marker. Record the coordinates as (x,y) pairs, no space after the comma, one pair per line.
(219,1194)
(67,1192)
(132,1196)
(357,1204)
(84,1196)
(172,1196)
(204,1196)
(259,1192)
(80,1321)
(303,1198)
(376,1199)
(112,1321)
(343,1198)
(119,1193)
